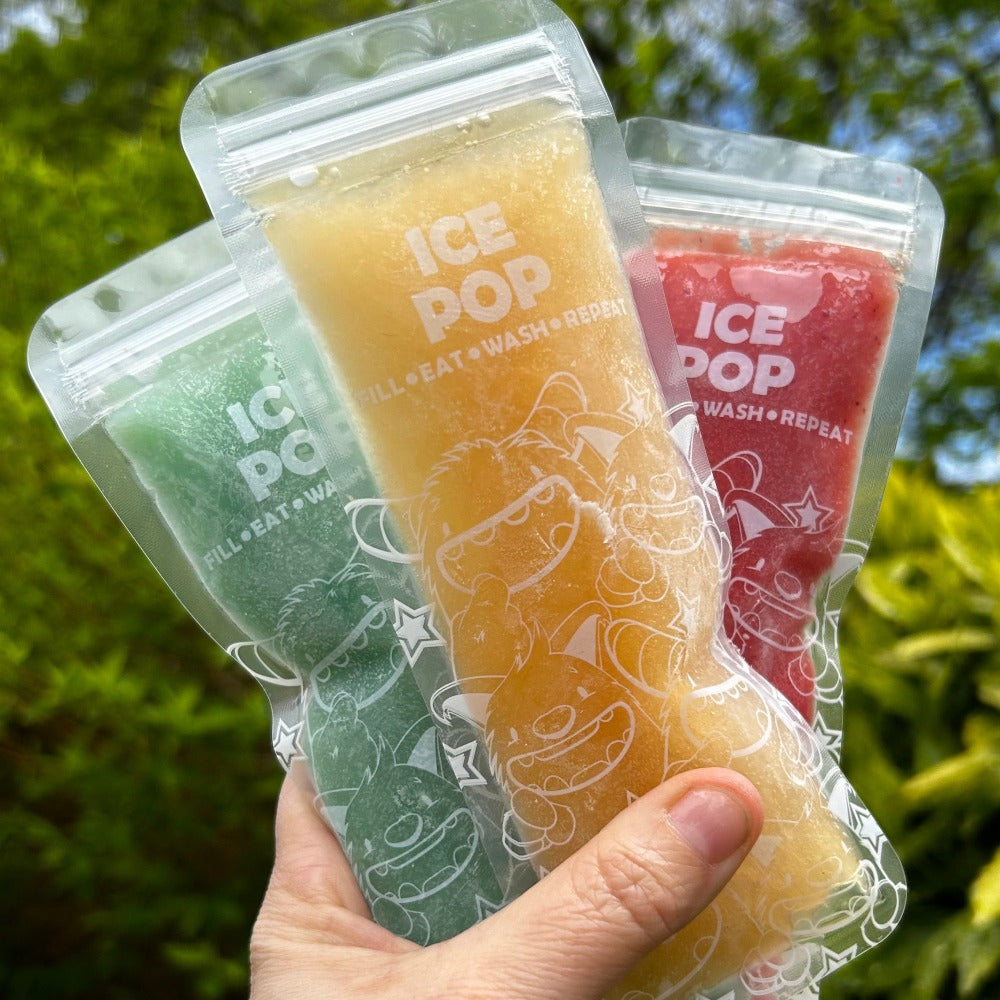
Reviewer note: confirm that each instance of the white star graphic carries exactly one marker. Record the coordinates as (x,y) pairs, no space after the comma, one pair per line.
(637,405)
(808,512)
(833,960)
(830,737)
(286,742)
(686,619)
(415,630)
(870,832)
(485,907)
(462,763)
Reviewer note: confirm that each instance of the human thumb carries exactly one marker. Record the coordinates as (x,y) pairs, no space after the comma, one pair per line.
(653,868)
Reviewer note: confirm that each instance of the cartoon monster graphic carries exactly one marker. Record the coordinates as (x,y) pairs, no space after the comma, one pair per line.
(340,633)
(413,843)
(571,746)
(779,555)
(491,626)
(514,509)
(665,559)
(770,610)
(574,507)
(342,753)
(377,762)
(521,511)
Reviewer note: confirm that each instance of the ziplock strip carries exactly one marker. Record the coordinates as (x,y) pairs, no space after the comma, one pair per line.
(702,197)
(265,149)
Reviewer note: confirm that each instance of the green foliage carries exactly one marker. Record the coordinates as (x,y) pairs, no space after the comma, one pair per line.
(137,783)
(137,779)
(921,653)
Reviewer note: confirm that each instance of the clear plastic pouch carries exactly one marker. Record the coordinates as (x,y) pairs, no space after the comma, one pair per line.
(436,219)
(798,281)
(166,387)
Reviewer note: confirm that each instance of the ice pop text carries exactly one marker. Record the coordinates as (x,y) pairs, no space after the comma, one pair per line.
(268,410)
(486,296)
(735,324)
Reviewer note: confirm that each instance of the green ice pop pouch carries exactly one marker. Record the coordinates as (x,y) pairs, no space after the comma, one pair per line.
(165,385)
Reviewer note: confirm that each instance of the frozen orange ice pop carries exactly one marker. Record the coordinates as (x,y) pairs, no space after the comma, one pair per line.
(473,304)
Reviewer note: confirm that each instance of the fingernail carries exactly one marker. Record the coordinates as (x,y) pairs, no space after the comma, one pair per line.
(714,823)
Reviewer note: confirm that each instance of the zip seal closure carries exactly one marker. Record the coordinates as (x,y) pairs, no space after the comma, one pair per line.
(676,194)
(155,331)
(316,131)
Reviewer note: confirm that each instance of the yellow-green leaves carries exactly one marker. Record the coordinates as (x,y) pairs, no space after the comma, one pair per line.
(921,654)
(984,895)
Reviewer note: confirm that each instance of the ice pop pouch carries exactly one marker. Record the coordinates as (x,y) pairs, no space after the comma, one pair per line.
(435,216)
(167,388)
(798,281)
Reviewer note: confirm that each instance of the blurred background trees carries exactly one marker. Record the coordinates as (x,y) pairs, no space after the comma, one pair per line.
(136,782)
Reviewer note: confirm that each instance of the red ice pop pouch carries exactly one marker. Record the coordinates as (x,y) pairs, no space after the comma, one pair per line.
(799,281)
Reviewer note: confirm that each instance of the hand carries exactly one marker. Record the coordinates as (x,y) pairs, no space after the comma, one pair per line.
(571,937)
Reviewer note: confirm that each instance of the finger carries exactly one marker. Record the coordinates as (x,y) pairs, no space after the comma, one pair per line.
(309,862)
(313,924)
(649,872)
(313,897)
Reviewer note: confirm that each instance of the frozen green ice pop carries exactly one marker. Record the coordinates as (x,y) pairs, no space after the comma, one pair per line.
(224,460)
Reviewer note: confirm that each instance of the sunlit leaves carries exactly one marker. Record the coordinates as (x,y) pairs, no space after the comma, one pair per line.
(984,895)
(921,651)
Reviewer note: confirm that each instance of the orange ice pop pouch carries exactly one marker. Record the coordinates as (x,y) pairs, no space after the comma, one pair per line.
(435,216)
